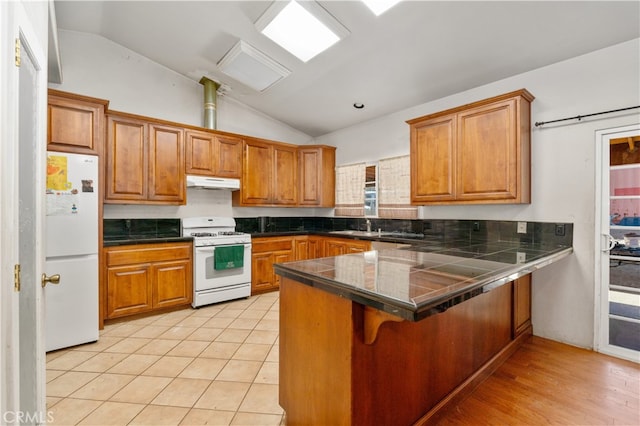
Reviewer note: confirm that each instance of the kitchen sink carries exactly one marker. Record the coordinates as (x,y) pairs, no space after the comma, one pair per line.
(361,233)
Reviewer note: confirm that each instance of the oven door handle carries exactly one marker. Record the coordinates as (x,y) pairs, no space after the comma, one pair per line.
(211,249)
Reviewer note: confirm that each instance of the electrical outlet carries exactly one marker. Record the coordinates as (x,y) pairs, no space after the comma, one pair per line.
(476,226)
(521,257)
(559,230)
(522,227)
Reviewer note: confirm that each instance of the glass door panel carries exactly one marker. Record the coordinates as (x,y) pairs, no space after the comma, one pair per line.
(624,256)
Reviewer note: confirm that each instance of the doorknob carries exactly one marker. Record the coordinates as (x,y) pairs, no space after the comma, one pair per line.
(53,279)
(611,242)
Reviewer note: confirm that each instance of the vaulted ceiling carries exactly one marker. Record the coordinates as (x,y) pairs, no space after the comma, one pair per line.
(416,52)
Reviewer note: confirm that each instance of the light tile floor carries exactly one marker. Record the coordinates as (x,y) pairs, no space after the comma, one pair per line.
(216,365)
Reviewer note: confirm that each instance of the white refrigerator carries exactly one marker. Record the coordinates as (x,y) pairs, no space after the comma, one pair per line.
(71,307)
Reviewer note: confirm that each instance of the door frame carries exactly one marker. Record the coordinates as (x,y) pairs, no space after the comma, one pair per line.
(20,403)
(601,311)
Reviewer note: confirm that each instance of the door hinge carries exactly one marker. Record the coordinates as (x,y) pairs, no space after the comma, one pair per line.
(16,277)
(17,52)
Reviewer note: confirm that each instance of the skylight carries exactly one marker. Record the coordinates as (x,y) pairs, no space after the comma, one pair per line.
(304,31)
(378,7)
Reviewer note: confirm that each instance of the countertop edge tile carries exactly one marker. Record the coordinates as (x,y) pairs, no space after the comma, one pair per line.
(412,310)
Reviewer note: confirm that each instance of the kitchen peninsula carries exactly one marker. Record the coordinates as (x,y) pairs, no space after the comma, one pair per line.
(390,337)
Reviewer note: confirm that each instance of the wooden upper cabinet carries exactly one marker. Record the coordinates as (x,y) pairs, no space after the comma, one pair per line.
(229,161)
(285,175)
(474,154)
(488,152)
(316,181)
(144,161)
(127,172)
(166,164)
(199,153)
(278,174)
(75,123)
(257,173)
(269,174)
(433,154)
(209,154)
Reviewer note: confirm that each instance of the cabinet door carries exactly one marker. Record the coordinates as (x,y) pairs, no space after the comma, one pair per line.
(310,172)
(316,178)
(521,304)
(126,165)
(75,125)
(172,283)
(285,190)
(229,157)
(358,246)
(280,257)
(257,173)
(334,247)
(433,156)
(314,249)
(166,164)
(129,290)
(199,152)
(488,153)
(262,275)
(301,248)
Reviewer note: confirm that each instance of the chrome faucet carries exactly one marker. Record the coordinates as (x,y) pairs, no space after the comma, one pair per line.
(368,225)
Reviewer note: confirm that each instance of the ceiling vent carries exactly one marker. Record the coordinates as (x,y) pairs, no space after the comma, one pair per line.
(251,67)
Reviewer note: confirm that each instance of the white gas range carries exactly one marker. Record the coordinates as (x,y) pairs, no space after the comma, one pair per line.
(221,260)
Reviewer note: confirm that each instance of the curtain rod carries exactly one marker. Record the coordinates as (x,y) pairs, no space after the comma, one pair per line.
(580,117)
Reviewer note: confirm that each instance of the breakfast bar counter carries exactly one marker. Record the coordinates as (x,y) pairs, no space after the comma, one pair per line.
(390,337)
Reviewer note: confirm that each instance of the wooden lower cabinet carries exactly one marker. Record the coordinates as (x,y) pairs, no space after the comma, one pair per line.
(269,250)
(315,247)
(301,248)
(264,253)
(147,277)
(339,246)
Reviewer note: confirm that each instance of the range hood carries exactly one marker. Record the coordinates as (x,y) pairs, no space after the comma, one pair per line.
(207,182)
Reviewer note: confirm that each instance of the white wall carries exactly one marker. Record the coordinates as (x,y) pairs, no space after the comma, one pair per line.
(97,67)
(563,169)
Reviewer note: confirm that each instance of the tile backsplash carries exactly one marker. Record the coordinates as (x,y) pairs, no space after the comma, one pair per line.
(432,229)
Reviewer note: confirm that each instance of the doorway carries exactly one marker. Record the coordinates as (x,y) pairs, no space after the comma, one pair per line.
(618,257)
(23,129)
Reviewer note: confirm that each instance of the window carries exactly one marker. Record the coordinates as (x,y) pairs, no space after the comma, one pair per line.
(370,191)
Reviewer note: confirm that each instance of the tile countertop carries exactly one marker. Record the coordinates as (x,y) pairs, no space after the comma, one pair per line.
(416,282)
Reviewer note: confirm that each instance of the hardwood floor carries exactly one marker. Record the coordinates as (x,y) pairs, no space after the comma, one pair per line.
(546,382)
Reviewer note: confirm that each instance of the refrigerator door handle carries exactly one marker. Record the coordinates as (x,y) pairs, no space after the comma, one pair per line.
(53,279)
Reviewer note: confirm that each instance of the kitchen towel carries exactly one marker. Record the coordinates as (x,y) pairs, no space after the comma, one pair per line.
(228,257)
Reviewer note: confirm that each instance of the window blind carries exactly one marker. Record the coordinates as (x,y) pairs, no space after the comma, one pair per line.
(394,189)
(350,190)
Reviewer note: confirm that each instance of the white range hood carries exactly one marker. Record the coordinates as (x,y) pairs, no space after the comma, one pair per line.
(207,182)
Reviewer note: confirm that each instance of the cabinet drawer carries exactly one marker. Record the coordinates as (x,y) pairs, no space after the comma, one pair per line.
(272,244)
(147,253)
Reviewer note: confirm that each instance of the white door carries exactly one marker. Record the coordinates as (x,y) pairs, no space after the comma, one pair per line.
(618,254)
(23,147)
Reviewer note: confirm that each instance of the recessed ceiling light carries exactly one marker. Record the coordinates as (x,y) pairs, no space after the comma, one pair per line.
(378,7)
(358,105)
(303,29)
(251,67)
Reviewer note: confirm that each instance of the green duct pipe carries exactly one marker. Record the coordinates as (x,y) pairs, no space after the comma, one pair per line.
(210,101)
